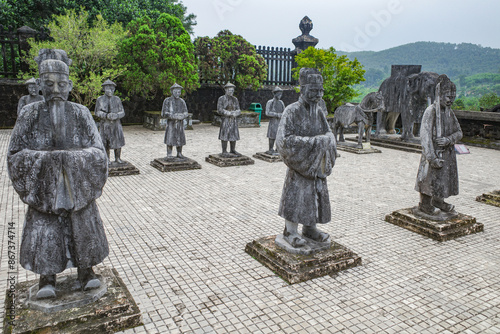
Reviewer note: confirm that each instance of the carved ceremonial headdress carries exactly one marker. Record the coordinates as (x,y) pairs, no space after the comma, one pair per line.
(445,84)
(31,81)
(53,61)
(175,85)
(229,85)
(108,83)
(277,89)
(309,76)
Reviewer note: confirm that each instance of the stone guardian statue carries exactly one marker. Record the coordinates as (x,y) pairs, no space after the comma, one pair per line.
(437,176)
(110,110)
(229,108)
(308,147)
(274,110)
(57,164)
(32,97)
(175,111)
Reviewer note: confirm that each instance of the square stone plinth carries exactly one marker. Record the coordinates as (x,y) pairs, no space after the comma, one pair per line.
(125,168)
(268,157)
(114,310)
(352,148)
(440,230)
(221,161)
(295,268)
(175,164)
(492,198)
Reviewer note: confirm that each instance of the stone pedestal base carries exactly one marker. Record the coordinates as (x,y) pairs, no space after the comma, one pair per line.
(440,230)
(219,160)
(352,148)
(492,198)
(175,164)
(395,142)
(125,168)
(295,268)
(268,157)
(105,310)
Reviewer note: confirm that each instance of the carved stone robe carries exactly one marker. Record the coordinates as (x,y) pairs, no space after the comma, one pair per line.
(175,110)
(229,124)
(111,130)
(58,166)
(274,109)
(439,182)
(307,146)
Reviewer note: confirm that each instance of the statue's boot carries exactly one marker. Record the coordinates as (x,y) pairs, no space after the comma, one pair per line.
(107,154)
(291,235)
(441,204)
(46,287)
(88,279)
(426,206)
(271,145)
(169,152)
(118,153)
(179,152)
(233,149)
(224,149)
(313,233)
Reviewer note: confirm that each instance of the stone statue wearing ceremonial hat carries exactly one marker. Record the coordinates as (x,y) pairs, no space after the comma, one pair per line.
(32,97)
(229,108)
(58,166)
(174,109)
(109,109)
(274,110)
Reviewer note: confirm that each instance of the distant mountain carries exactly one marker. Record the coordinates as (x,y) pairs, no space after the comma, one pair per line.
(455,60)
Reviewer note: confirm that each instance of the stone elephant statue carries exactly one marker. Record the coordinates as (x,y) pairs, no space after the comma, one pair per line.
(421,90)
(396,98)
(361,114)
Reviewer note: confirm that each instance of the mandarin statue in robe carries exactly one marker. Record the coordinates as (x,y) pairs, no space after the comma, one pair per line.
(57,164)
(274,110)
(175,111)
(228,108)
(308,148)
(32,97)
(437,176)
(110,110)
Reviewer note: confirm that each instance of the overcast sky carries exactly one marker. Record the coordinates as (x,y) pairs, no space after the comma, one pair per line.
(352,25)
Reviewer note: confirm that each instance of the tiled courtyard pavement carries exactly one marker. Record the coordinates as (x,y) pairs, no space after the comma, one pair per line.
(177,240)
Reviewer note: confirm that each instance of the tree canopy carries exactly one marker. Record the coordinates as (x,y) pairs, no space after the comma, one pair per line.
(158,53)
(19,13)
(230,58)
(93,50)
(339,74)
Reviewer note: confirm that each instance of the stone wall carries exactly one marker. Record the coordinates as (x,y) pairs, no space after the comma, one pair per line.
(11,91)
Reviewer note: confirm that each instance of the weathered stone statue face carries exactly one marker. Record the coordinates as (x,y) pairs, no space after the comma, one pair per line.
(55,86)
(109,90)
(176,92)
(230,91)
(312,93)
(33,89)
(447,98)
(278,95)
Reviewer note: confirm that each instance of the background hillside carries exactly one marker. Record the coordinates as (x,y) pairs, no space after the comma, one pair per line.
(475,69)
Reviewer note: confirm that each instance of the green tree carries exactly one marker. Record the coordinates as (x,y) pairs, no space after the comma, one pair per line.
(93,50)
(230,58)
(339,74)
(18,13)
(488,101)
(158,53)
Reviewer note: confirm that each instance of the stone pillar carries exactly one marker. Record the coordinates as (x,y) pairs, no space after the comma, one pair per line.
(24,33)
(305,40)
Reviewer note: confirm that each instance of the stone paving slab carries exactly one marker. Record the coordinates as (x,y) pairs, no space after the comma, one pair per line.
(177,240)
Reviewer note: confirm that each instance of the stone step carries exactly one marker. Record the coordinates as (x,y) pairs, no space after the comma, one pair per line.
(393,144)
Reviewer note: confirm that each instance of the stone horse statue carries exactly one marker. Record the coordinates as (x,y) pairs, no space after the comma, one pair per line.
(361,114)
